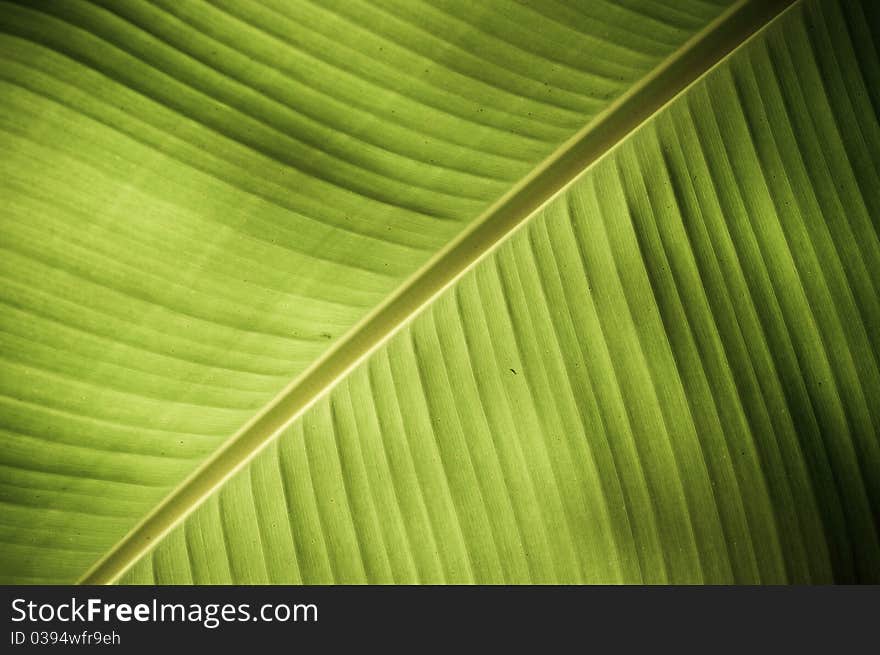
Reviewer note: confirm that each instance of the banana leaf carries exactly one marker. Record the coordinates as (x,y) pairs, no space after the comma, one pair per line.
(424,292)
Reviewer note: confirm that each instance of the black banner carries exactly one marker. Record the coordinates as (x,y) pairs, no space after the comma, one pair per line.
(178,619)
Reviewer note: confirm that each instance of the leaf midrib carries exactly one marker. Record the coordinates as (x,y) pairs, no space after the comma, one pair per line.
(702,52)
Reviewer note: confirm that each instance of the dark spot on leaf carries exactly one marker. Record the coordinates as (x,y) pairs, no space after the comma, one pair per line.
(513,371)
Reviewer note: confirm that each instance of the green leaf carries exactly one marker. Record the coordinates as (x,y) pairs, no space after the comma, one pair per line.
(668,372)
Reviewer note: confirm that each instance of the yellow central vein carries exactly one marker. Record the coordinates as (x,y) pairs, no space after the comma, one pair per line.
(690,62)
